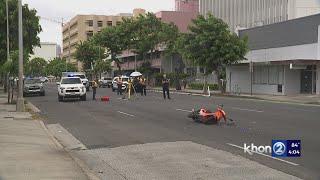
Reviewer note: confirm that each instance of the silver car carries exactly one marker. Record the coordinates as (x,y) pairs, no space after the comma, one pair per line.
(33,86)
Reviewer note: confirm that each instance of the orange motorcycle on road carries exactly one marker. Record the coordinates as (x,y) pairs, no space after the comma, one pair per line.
(207,117)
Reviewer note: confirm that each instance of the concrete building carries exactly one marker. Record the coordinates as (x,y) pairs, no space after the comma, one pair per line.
(181,19)
(47,51)
(250,13)
(138,11)
(81,28)
(187,5)
(284,59)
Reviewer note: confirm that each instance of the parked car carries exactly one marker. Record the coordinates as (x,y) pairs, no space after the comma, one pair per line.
(33,86)
(81,75)
(71,87)
(105,82)
(44,79)
(124,79)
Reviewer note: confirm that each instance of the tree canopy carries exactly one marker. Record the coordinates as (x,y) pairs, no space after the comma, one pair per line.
(88,53)
(36,67)
(141,35)
(31,28)
(57,66)
(210,44)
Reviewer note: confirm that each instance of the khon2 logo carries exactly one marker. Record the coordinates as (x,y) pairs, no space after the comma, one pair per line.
(278,148)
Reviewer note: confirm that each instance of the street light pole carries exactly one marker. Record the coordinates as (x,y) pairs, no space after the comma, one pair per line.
(20,100)
(8,53)
(8,46)
(69,52)
(135,62)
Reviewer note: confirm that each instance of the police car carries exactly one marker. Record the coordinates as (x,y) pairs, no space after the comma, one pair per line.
(81,75)
(71,87)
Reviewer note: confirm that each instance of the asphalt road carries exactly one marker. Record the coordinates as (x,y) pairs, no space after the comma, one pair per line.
(152,119)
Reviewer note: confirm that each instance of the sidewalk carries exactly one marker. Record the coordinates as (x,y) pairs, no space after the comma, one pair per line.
(27,151)
(300,99)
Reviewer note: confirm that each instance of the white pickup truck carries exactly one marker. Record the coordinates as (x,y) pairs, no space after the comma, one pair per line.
(81,75)
(71,87)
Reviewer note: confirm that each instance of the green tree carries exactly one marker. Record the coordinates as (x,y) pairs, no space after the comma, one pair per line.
(145,68)
(147,34)
(12,66)
(212,45)
(31,28)
(57,66)
(112,39)
(102,66)
(36,67)
(87,53)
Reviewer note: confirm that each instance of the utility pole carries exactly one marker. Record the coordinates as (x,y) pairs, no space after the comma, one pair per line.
(135,62)
(62,41)
(20,100)
(8,53)
(69,55)
(8,46)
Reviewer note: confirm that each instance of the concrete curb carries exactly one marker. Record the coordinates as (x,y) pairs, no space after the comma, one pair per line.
(88,172)
(33,108)
(213,94)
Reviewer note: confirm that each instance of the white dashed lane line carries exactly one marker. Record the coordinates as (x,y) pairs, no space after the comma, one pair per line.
(183,110)
(125,114)
(250,110)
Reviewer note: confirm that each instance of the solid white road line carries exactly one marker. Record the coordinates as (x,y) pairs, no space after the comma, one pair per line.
(251,110)
(183,110)
(126,114)
(288,162)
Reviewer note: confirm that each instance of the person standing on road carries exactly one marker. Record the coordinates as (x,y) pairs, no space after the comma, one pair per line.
(94,89)
(143,86)
(165,86)
(119,85)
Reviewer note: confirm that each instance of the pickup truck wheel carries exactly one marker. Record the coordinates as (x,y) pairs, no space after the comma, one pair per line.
(60,98)
(83,98)
(42,94)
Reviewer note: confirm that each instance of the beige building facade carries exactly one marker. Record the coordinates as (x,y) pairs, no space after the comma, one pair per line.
(81,28)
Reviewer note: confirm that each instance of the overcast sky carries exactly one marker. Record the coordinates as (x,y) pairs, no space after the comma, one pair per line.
(66,9)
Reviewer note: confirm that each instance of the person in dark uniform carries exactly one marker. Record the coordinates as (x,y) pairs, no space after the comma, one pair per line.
(119,85)
(143,86)
(94,89)
(165,86)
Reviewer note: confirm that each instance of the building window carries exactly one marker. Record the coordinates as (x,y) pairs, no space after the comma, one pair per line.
(100,23)
(109,23)
(260,75)
(89,34)
(118,23)
(74,25)
(271,75)
(275,75)
(89,23)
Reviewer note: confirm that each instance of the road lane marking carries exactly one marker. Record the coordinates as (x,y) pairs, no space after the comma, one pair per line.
(126,114)
(251,110)
(288,162)
(183,110)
